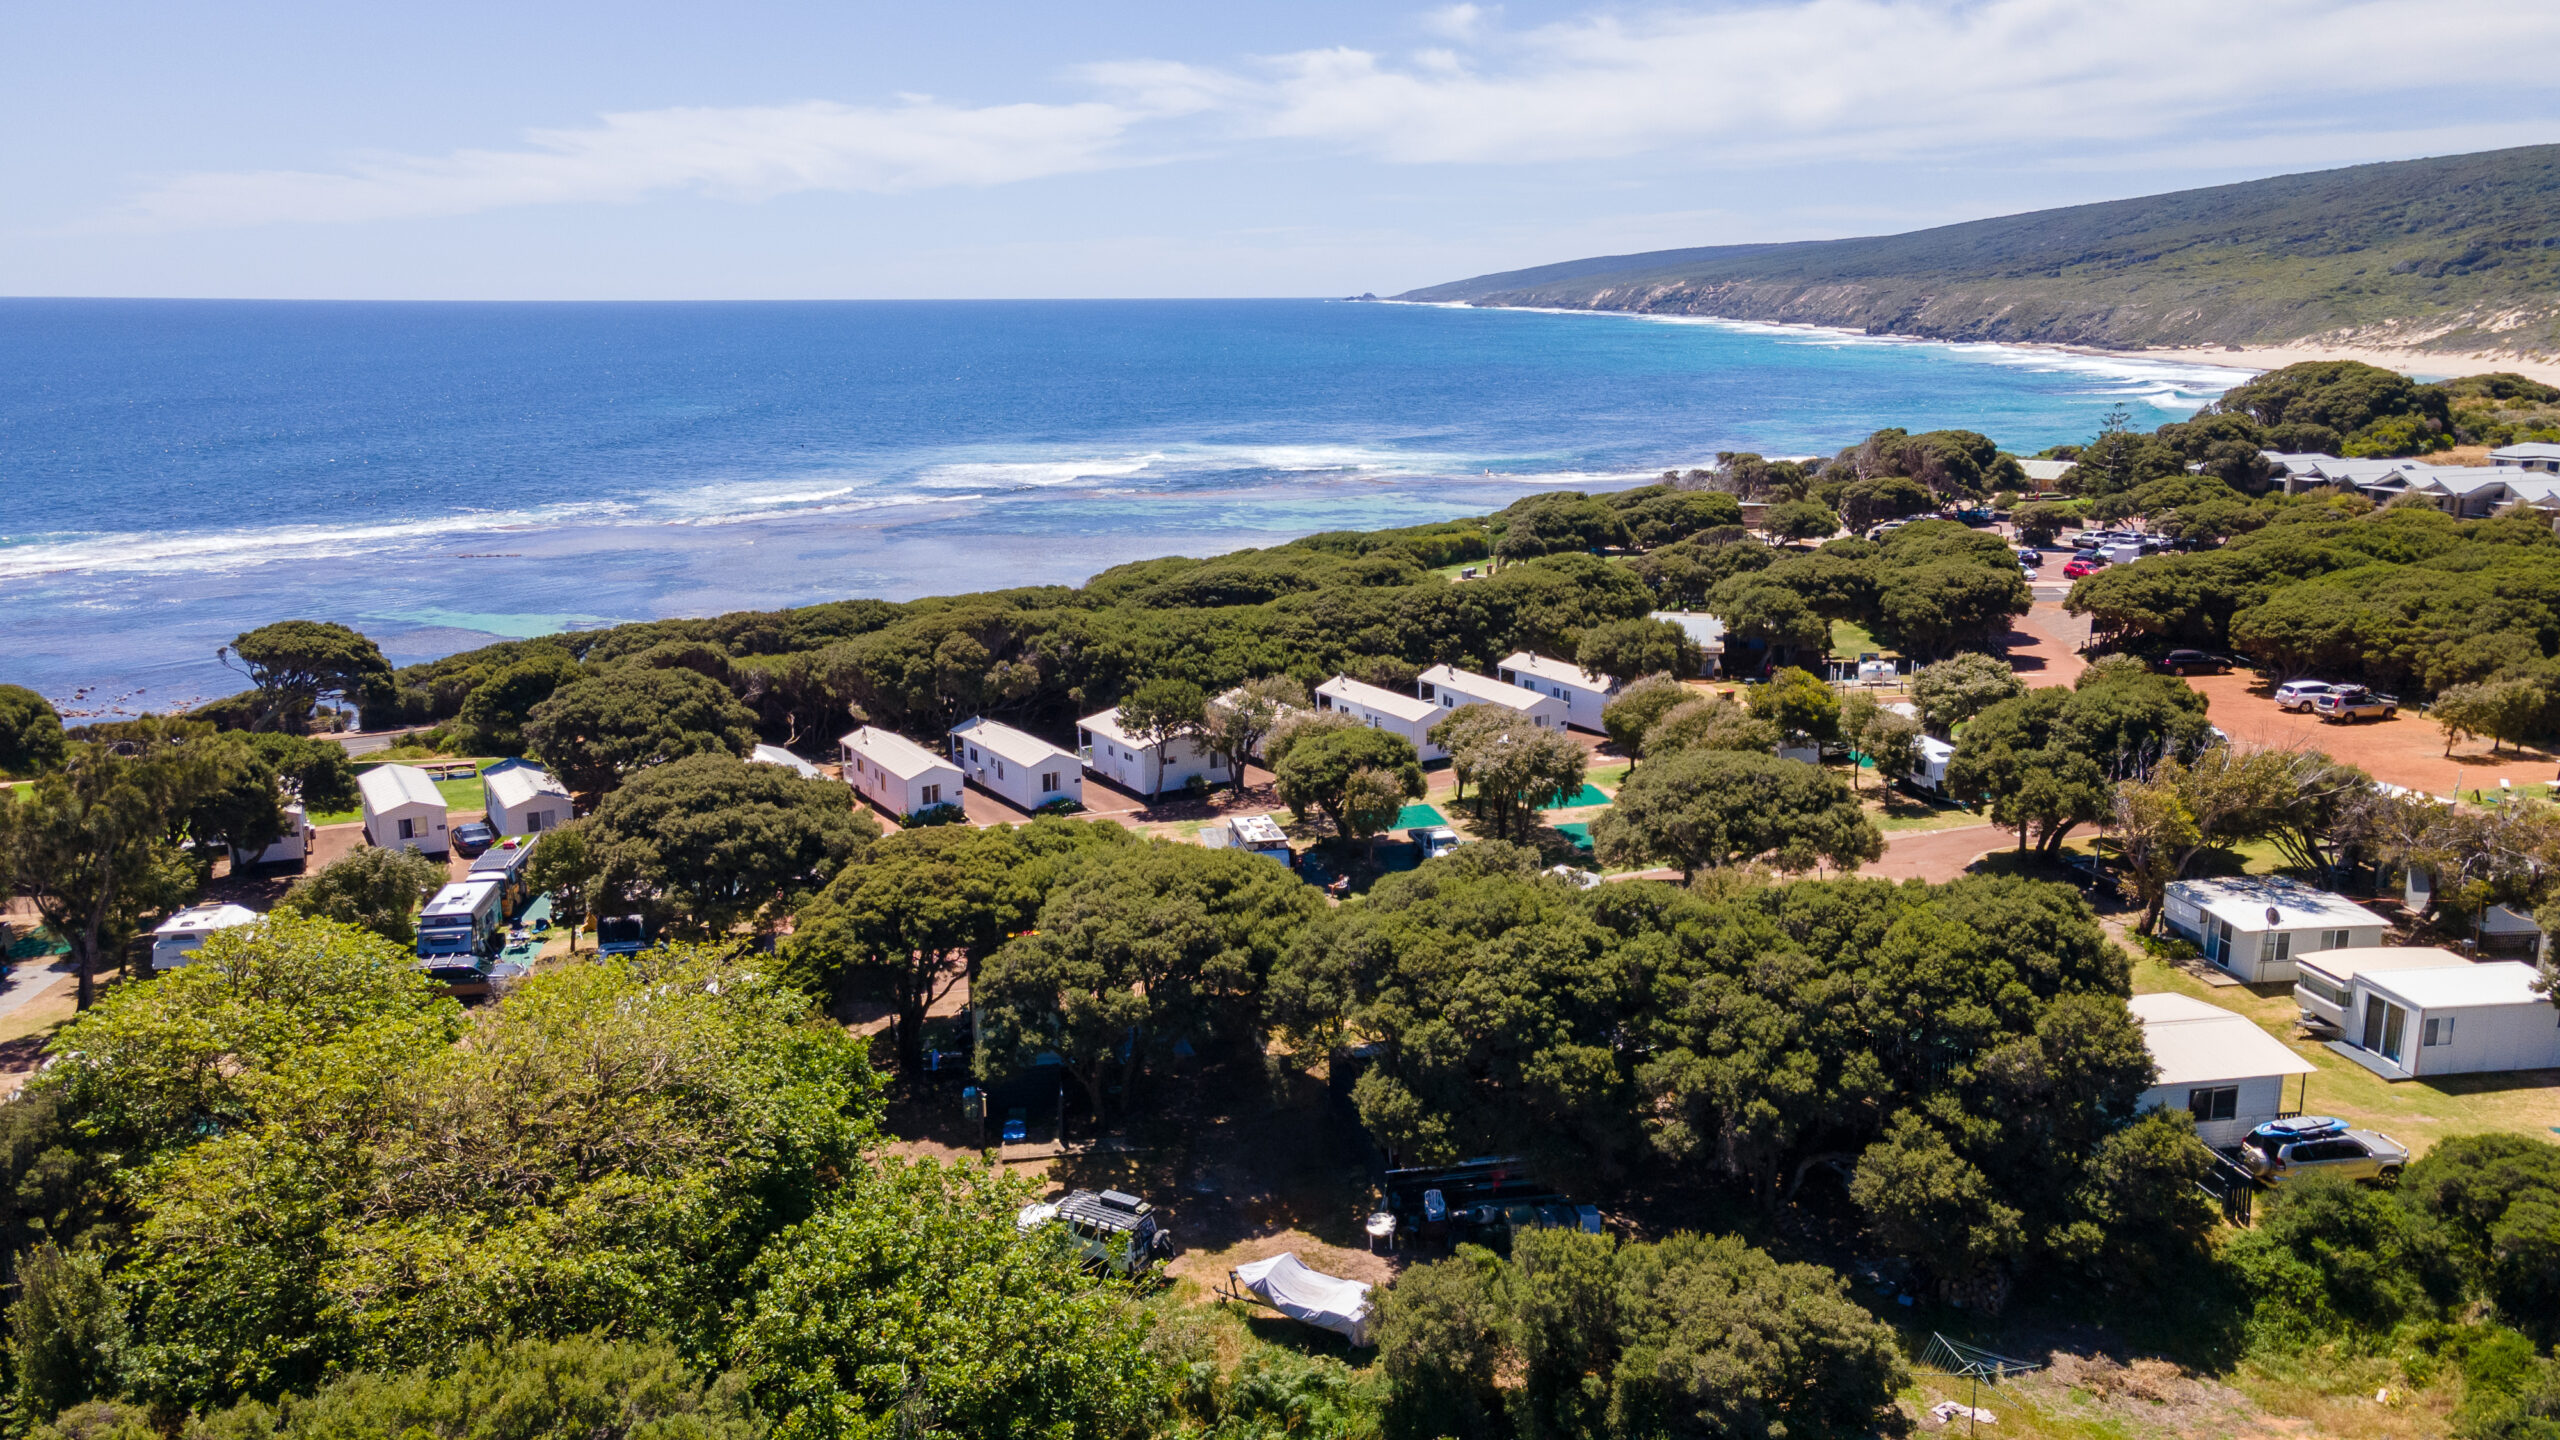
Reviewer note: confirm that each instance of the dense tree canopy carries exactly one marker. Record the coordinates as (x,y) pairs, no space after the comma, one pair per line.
(1701,809)
(296,663)
(596,731)
(709,843)
(371,889)
(31,739)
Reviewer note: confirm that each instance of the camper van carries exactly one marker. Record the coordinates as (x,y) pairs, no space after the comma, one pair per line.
(1113,1231)
(621,935)
(460,929)
(176,941)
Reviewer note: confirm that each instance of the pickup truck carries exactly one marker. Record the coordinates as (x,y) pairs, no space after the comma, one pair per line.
(2354,702)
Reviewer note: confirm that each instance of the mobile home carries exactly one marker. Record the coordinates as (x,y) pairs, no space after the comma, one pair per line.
(2451,1020)
(176,941)
(294,845)
(1023,769)
(1584,694)
(2253,926)
(523,798)
(1148,767)
(403,810)
(1384,710)
(1707,630)
(1453,689)
(1929,772)
(897,774)
(2324,982)
(2216,1065)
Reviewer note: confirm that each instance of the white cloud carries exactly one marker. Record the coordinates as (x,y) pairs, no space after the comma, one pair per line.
(744,153)
(1888,78)
(2021,83)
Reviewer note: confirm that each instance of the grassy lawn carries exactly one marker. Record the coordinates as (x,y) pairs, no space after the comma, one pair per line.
(1608,777)
(458,794)
(1849,640)
(1896,812)
(2415,1112)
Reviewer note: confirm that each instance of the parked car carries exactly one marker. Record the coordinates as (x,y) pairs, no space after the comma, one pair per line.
(2354,702)
(2029,555)
(2083,567)
(2296,695)
(2193,662)
(2325,1145)
(474,839)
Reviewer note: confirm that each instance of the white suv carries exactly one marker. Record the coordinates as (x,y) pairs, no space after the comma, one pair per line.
(2297,695)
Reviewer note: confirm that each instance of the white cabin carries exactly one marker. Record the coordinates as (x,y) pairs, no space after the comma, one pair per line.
(2450,1020)
(176,941)
(1584,694)
(897,774)
(776,755)
(1384,710)
(1021,768)
(2216,1065)
(523,798)
(1453,689)
(1707,630)
(2324,982)
(1145,767)
(2253,926)
(295,844)
(403,810)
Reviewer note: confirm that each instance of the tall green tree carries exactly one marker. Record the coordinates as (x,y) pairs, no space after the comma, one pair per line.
(93,847)
(913,1303)
(1805,710)
(709,843)
(1703,809)
(496,710)
(1314,770)
(1626,649)
(921,911)
(371,889)
(297,663)
(1516,766)
(1634,709)
(31,739)
(1955,690)
(596,731)
(1235,724)
(1163,944)
(1161,711)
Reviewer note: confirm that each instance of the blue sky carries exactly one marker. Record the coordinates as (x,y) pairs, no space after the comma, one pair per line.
(966,148)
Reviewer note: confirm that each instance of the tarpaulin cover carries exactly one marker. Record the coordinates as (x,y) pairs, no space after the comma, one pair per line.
(1284,1283)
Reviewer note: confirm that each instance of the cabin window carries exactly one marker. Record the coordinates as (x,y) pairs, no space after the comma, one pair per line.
(2275,945)
(933,794)
(2437,1031)
(533,821)
(1048,782)
(973,754)
(1427,692)
(2333,939)
(2218,1102)
(408,828)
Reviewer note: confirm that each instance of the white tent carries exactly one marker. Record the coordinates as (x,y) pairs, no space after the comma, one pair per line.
(1284,1283)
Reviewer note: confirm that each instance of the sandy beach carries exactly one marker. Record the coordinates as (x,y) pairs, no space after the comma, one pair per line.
(2430,364)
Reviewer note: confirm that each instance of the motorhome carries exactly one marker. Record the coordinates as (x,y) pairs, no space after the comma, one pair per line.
(460,929)
(505,863)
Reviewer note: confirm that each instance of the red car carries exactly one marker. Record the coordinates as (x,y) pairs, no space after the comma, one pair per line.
(2082,566)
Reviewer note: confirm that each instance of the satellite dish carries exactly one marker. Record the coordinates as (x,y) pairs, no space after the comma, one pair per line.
(2274,916)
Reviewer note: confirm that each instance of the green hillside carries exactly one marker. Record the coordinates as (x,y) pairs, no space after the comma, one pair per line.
(2455,253)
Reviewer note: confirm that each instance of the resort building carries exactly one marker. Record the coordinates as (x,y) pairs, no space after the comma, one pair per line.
(523,798)
(1024,769)
(2533,455)
(1584,694)
(897,774)
(2252,926)
(1144,766)
(2217,1066)
(2450,1020)
(1705,629)
(1452,689)
(1384,710)
(403,810)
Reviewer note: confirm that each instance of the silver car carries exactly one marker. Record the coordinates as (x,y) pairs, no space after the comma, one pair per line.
(2354,1154)
(2297,695)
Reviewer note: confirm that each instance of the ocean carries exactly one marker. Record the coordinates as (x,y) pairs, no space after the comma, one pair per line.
(439,475)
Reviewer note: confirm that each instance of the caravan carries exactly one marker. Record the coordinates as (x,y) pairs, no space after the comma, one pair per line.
(460,929)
